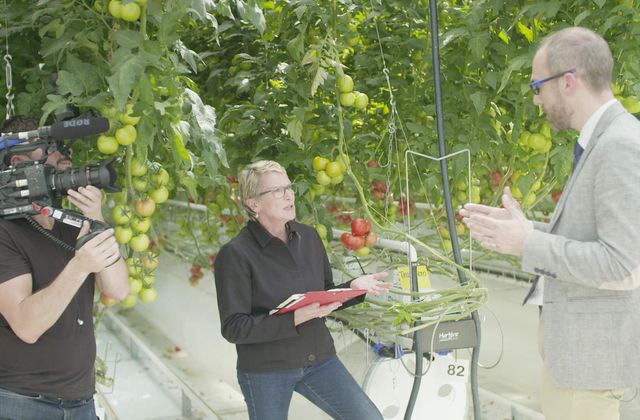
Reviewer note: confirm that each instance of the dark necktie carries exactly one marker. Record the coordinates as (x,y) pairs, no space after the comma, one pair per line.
(534,284)
(577,152)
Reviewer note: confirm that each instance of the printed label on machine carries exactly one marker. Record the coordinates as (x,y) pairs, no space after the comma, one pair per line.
(423,278)
(455,370)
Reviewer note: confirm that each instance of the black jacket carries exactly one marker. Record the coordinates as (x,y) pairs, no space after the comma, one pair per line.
(254,273)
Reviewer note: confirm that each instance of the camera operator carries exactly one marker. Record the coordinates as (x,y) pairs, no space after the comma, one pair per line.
(47,343)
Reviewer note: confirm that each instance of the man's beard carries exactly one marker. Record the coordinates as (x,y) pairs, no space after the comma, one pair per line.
(559,115)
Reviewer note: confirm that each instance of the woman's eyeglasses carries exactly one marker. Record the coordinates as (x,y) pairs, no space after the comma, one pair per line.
(279,191)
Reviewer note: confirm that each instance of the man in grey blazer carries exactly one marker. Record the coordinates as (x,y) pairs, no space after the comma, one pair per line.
(588,256)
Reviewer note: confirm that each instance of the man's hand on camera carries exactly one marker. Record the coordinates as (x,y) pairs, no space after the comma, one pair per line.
(98,253)
(89,200)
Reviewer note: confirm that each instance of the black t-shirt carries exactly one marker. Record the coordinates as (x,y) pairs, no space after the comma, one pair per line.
(61,363)
(254,273)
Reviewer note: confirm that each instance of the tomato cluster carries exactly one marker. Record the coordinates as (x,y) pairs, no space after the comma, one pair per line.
(129,12)
(462,190)
(196,274)
(328,172)
(361,239)
(141,279)
(350,97)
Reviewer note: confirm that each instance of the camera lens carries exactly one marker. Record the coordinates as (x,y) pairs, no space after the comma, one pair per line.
(102,176)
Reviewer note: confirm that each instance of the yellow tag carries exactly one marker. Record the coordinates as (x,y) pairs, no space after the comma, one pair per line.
(423,278)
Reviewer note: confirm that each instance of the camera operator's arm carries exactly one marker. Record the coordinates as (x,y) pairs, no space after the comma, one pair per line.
(31,314)
(113,281)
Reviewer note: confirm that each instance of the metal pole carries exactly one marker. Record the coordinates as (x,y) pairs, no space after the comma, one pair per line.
(435,51)
(417,348)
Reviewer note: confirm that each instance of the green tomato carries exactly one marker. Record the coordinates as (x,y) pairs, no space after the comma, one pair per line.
(115,8)
(345,84)
(107,145)
(123,234)
(148,280)
(148,295)
(361,101)
(134,266)
(135,285)
(126,135)
(129,302)
(335,180)
(138,167)
(362,252)
(121,214)
(347,99)
(141,225)
(333,169)
(140,242)
(140,184)
(320,163)
(159,195)
(130,12)
(323,179)
(161,177)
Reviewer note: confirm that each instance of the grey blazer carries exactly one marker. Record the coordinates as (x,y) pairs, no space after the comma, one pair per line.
(590,255)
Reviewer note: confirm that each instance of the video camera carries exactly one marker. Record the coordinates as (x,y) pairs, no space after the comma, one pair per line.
(32,184)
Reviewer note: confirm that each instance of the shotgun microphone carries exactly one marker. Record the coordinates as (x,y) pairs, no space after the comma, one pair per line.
(63,130)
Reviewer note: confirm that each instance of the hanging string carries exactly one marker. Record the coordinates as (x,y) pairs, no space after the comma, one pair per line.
(7,58)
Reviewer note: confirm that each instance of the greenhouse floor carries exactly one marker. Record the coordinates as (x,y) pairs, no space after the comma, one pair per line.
(168,360)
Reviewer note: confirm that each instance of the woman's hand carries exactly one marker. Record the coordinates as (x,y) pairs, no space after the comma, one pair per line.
(372,283)
(309,312)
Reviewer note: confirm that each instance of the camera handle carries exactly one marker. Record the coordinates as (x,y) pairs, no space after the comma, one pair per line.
(75,219)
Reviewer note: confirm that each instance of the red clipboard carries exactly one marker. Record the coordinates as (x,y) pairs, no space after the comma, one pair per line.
(323,297)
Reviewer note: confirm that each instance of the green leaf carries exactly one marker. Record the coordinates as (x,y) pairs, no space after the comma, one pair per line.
(129,40)
(479,100)
(69,83)
(318,80)
(294,127)
(504,37)
(525,31)
(516,64)
(478,44)
(452,35)
(252,13)
(582,16)
(124,77)
(204,117)
(296,46)
(188,55)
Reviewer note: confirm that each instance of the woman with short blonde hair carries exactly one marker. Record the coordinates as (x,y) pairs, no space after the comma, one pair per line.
(272,258)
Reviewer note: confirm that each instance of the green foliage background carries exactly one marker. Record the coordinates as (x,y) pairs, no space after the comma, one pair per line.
(223,83)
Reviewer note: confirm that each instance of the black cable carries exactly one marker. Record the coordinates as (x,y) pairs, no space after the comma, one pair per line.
(49,235)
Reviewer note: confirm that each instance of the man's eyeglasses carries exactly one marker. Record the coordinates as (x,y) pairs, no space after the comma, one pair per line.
(280,191)
(535,85)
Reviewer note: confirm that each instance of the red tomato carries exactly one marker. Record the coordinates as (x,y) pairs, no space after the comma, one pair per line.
(360,226)
(371,239)
(352,242)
